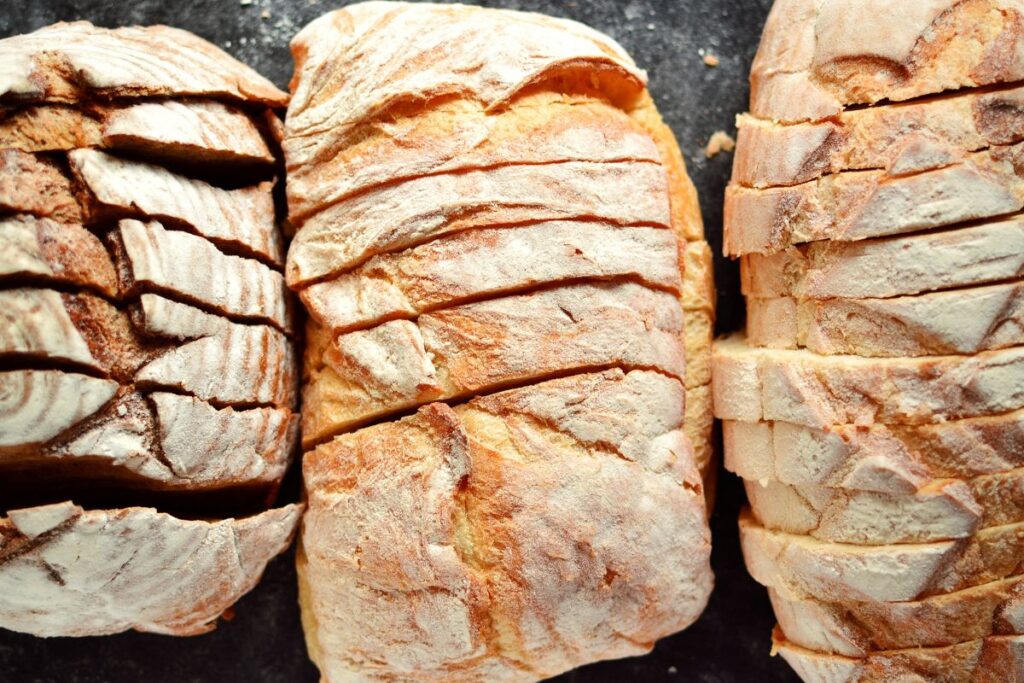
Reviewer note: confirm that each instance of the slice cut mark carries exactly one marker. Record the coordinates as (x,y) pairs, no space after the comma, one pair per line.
(166,131)
(890,266)
(817,58)
(858,205)
(475,264)
(461,135)
(411,66)
(239,221)
(189,268)
(752,384)
(43,251)
(67,571)
(38,405)
(940,510)
(36,186)
(166,448)
(988,660)
(459,352)
(395,217)
(218,361)
(886,458)
(803,566)
(468,476)
(857,629)
(921,135)
(69,62)
(961,321)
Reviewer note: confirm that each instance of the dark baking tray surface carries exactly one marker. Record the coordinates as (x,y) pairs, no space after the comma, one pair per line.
(263,643)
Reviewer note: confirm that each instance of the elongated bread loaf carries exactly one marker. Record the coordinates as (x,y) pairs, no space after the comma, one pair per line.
(150,371)
(496,234)
(873,406)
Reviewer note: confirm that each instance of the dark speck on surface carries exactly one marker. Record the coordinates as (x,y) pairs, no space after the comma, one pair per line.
(263,643)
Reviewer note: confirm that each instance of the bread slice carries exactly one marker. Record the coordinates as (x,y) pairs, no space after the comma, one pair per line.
(47,252)
(69,62)
(497,582)
(394,217)
(989,660)
(839,572)
(920,135)
(66,571)
(433,54)
(492,262)
(37,187)
(961,321)
(886,458)
(189,268)
(942,510)
(482,347)
(817,57)
(889,266)
(453,135)
(201,132)
(857,205)
(857,629)
(241,220)
(752,384)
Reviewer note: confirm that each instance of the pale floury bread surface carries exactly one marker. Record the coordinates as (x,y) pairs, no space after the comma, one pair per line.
(873,405)
(152,369)
(494,229)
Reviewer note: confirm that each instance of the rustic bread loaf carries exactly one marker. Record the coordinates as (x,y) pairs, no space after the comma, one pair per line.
(147,333)
(489,212)
(873,406)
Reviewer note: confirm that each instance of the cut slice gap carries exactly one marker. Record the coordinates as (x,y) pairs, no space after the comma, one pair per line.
(925,133)
(36,185)
(140,445)
(240,222)
(219,143)
(959,321)
(753,384)
(886,458)
(45,251)
(857,205)
(838,572)
(857,629)
(890,266)
(995,659)
(455,134)
(396,217)
(188,268)
(484,263)
(71,62)
(67,571)
(463,350)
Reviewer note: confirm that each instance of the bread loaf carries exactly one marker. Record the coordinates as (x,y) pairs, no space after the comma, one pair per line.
(495,230)
(873,406)
(150,372)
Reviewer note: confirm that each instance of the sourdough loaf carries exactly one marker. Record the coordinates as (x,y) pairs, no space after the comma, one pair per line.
(873,406)
(494,229)
(147,334)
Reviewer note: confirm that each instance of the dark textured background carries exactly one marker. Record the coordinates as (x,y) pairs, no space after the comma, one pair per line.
(263,644)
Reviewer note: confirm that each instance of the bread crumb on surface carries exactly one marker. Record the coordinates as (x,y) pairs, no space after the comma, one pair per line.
(720,142)
(711,60)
